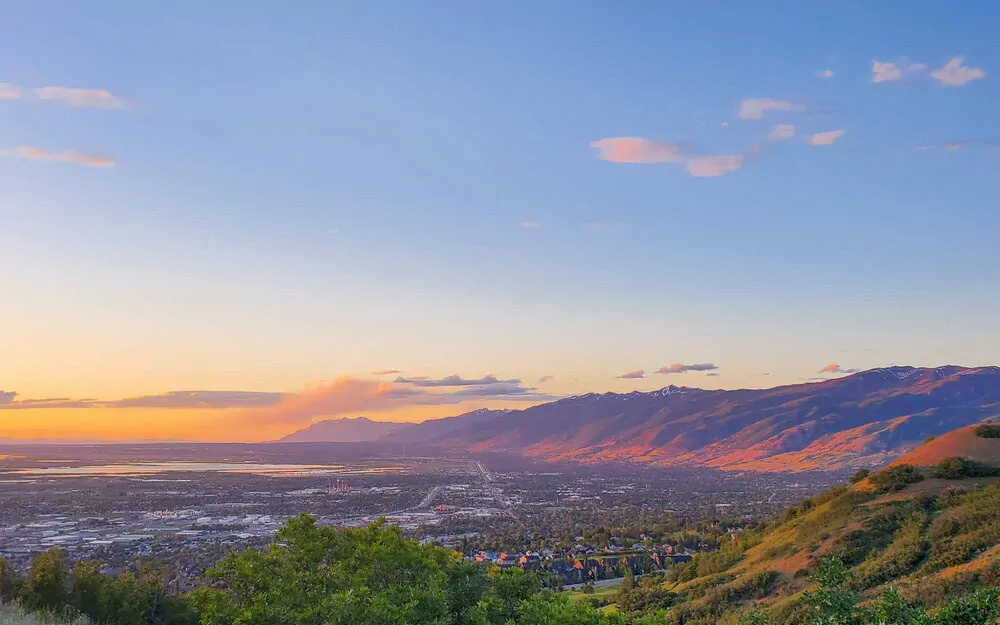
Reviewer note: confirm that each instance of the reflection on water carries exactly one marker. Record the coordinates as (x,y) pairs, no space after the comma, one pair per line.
(150,468)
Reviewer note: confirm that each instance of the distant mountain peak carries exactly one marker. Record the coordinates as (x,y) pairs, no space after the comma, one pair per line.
(863,419)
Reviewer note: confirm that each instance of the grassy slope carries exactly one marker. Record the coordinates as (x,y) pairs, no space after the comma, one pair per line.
(13,615)
(926,540)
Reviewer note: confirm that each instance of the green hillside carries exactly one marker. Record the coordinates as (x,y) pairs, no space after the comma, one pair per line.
(930,538)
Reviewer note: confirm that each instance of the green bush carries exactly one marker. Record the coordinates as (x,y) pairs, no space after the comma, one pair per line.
(958,468)
(895,478)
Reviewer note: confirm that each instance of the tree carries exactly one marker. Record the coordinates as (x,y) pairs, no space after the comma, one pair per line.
(860,475)
(467,584)
(7,582)
(312,574)
(833,604)
(45,587)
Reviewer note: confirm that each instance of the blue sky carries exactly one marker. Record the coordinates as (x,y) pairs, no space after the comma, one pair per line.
(307,191)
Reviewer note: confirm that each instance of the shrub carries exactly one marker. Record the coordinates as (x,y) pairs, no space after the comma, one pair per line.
(960,468)
(988,430)
(895,478)
(860,475)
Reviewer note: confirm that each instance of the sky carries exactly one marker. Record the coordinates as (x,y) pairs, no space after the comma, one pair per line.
(227,220)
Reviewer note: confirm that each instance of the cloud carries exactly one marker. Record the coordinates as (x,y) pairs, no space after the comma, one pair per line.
(385,371)
(954,74)
(641,150)
(637,150)
(723,124)
(712,374)
(712,166)
(891,71)
(453,380)
(953,146)
(826,138)
(9,91)
(545,378)
(825,74)
(41,154)
(95,98)
(638,374)
(170,399)
(756,108)
(885,72)
(782,131)
(327,398)
(530,224)
(835,369)
(681,368)
(7,397)
(199,399)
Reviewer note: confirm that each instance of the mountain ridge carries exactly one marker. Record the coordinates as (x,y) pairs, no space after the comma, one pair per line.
(860,420)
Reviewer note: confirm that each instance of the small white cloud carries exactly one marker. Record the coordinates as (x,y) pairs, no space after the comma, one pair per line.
(891,71)
(96,98)
(723,124)
(782,131)
(825,74)
(530,224)
(755,108)
(885,72)
(68,156)
(712,166)
(954,74)
(826,138)
(9,91)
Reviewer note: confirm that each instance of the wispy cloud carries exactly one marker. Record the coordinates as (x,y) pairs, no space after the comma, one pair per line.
(67,156)
(825,74)
(95,98)
(826,138)
(454,380)
(386,372)
(638,374)
(9,91)
(891,71)
(637,150)
(682,368)
(326,398)
(545,378)
(641,150)
(530,224)
(835,369)
(712,374)
(781,131)
(954,74)
(712,166)
(199,399)
(963,144)
(755,108)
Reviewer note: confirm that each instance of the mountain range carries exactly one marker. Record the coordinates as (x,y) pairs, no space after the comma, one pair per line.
(860,420)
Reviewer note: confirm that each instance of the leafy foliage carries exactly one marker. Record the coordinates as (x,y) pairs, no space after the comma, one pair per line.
(895,478)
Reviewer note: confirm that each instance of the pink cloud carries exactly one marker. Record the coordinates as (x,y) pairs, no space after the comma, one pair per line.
(96,98)
(637,150)
(68,156)
(756,108)
(638,374)
(711,166)
(782,131)
(826,138)
(9,91)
